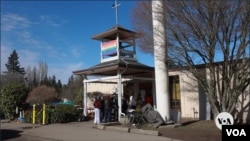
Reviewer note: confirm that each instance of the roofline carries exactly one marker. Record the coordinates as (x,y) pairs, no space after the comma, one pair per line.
(202,66)
(111,67)
(114,29)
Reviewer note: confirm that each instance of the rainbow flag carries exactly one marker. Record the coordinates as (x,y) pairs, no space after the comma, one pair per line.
(109,48)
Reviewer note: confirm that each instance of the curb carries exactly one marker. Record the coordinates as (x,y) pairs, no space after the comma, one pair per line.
(129,130)
(169,126)
(5,121)
(145,132)
(115,128)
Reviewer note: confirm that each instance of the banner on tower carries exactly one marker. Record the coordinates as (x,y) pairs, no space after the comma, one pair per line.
(109,48)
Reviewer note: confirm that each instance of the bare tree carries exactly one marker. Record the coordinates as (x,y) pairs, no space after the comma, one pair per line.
(28,77)
(36,76)
(205,32)
(72,89)
(43,71)
(42,95)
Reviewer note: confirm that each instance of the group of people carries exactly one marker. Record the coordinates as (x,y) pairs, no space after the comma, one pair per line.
(106,107)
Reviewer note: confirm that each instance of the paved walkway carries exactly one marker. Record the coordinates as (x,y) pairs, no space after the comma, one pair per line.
(73,131)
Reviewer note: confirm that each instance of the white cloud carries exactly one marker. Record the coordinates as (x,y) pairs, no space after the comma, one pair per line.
(75,52)
(47,20)
(28,58)
(15,28)
(17,34)
(27,38)
(12,21)
(5,52)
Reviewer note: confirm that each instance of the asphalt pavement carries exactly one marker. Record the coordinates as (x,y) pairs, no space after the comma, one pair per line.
(74,131)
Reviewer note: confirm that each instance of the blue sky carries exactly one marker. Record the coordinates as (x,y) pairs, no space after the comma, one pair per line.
(59,33)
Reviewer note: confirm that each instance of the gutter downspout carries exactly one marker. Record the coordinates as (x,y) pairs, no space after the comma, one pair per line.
(85,97)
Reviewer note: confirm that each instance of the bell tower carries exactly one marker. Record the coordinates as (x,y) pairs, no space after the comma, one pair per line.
(117,43)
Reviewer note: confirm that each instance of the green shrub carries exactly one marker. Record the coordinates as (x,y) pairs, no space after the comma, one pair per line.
(60,114)
(64,113)
(11,96)
(49,115)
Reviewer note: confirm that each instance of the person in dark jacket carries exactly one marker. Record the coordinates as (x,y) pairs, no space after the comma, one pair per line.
(107,108)
(114,101)
(124,106)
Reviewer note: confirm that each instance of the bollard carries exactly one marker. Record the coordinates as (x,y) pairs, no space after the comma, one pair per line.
(34,114)
(44,113)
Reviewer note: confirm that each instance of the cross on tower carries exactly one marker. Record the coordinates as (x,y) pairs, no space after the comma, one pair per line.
(116,11)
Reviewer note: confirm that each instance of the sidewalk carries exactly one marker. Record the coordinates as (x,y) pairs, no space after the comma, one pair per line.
(79,131)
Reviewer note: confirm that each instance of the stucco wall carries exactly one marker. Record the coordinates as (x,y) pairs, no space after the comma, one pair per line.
(101,87)
(189,94)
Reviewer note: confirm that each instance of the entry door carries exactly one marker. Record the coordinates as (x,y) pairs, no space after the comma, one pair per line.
(175,92)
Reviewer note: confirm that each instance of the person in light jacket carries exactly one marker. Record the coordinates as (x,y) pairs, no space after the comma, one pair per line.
(132,102)
(97,109)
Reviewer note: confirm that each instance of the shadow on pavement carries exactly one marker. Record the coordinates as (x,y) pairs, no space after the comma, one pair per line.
(9,134)
(189,122)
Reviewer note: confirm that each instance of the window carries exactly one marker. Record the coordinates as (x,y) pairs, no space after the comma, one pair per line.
(175,99)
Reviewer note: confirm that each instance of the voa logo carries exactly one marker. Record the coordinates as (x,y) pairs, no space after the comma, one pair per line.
(235,132)
(224,121)
(224,118)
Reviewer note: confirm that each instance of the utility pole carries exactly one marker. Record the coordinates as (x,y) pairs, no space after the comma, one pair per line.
(160,58)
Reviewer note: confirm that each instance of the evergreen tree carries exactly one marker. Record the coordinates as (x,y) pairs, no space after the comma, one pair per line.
(14,72)
(59,87)
(13,65)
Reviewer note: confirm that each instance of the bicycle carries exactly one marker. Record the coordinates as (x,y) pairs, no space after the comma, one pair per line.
(135,118)
(129,118)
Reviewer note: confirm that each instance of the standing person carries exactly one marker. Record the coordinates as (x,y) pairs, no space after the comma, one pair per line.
(107,109)
(149,100)
(115,106)
(102,109)
(124,106)
(97,109)
(132,102)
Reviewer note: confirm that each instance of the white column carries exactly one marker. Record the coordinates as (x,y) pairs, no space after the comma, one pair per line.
(85,97)
(119,91)
(160,57)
